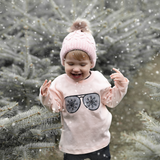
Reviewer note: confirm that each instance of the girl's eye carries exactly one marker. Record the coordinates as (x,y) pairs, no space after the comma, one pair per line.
(70,64)
(83,65)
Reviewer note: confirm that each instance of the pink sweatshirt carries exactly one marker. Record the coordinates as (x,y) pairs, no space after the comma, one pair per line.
(84,116)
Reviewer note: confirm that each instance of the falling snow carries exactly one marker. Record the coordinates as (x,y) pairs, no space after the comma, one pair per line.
(124,40)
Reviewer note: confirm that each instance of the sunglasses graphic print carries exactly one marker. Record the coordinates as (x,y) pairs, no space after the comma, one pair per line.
(90,101)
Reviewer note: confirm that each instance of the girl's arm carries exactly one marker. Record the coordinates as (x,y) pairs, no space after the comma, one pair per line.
(112,96)
(49,97)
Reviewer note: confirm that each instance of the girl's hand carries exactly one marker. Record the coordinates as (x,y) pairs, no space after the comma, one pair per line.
(44,88)
(118,76)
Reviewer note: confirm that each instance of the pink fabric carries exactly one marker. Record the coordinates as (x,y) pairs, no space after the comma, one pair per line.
(85,130)
(78,40)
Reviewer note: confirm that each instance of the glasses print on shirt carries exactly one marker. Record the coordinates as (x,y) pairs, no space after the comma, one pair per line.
(90,101)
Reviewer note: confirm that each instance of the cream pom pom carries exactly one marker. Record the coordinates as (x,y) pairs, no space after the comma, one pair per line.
(80,24)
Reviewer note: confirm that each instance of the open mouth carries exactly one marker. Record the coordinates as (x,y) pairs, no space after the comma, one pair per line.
(76,75)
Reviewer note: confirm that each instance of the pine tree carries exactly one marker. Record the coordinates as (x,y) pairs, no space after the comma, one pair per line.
(26,127)
(118,33)
(146,142)
(31,37)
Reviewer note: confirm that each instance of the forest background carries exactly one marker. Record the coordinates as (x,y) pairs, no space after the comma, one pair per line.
(31,35)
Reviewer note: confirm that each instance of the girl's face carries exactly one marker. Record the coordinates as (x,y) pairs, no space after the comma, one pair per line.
(77,70)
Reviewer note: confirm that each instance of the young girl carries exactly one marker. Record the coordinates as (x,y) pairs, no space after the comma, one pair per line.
(81,96)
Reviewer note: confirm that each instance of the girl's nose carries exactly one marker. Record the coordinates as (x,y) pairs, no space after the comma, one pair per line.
(76,69)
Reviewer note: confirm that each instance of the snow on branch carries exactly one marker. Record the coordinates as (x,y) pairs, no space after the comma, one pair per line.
(155,88)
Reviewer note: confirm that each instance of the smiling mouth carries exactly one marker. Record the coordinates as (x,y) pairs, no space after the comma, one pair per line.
(76,75)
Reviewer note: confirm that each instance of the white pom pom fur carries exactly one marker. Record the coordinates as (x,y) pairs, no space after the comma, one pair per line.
(80,24)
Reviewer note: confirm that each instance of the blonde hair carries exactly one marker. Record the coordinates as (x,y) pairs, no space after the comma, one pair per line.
(78,55)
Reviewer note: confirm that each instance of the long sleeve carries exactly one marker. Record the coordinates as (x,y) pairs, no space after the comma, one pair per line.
(53,100)
(112,96)
(84,117)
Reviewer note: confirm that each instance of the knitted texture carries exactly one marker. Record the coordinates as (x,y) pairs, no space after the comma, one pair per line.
(79,40)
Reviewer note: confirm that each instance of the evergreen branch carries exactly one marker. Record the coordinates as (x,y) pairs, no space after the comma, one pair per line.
(155,41)
(145,141)
(88,9)
(4,101)
(22,12)
(24,119)
(156,114)
(47,27)
(32,27)
(114,41)
(4,121)
(102,13)
(155,28)
(131,15)
(32,18)
(59,126)
(45,117)
(7,108)
(40,145)
(151,123)
(62,15)
(147,118)
(125,36)
(23,116)
(31,71)
(6,52)
(135,155)
(33,117)
(32,83)
(127,23)
(26,150)
(12,57)
(8,29)
(43,25)
(139,139)
(28,66)
(36,131)
(42,28)
(115,16)
(45,38)
(136,47)
(109,40)
(148,19)
(49,76)
(46,128)
(41,122)
(33,6)
(146,38)
(155,96)
(5,48)
(153,86)
(34,114)
(16,69)
(113,27)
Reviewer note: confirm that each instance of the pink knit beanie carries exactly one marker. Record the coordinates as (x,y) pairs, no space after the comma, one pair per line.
(79,38)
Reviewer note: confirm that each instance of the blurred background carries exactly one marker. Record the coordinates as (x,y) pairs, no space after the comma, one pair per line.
(127,36)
